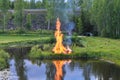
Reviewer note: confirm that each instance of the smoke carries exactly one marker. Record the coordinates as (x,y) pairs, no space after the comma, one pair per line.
(68,29)
(64,9)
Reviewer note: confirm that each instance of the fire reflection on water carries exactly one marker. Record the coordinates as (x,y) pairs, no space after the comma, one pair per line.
(59,68)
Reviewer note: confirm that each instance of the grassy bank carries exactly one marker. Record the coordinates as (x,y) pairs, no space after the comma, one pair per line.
(103,48)
(83,47)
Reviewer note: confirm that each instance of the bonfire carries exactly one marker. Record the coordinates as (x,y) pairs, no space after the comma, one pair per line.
(59,47)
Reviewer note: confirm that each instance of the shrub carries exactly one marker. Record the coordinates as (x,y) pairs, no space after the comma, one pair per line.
(4,56)
(3,64)
(35,52)
(78,41)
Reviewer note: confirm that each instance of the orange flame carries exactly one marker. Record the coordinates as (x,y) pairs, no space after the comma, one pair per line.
(59,47)
(59,71)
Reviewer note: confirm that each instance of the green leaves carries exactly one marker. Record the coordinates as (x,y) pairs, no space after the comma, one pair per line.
(4,5)
(4,56)
(105,15)
(19,13)
(28,22)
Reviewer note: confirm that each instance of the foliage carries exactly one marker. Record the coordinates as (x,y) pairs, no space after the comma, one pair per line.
(28,22)
(39,4)
(49,5)
(79,26)
(4,56)
(104,14)
(85,17)
(4,6)
(77,41)
(32,4)
(19,14)
(26,4)
(100,17)
(35,52)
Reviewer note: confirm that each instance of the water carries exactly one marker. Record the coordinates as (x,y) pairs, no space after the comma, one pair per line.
(22,68)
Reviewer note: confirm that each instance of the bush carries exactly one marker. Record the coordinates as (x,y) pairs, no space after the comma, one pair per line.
(35,52)
(78,41)
(4,56)
(3,64)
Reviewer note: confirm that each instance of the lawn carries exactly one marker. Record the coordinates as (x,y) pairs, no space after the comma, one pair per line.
(105,48)
(19,38)
(98,44)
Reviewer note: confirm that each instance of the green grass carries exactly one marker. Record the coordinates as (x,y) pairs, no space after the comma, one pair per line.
(104,48)
(18,38)
(97,44)
(23,40)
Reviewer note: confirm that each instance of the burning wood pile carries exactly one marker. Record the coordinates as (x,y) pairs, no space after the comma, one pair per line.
(59,47)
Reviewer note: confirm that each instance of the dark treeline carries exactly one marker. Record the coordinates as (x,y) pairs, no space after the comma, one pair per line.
(99,17)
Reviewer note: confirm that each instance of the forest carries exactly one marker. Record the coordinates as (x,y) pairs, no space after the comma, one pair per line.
(98,17)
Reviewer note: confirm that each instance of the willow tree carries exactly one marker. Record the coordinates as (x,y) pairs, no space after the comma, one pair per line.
(19,14)
(4,6)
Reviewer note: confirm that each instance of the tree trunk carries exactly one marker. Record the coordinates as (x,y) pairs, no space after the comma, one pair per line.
(4,22)
(48,24)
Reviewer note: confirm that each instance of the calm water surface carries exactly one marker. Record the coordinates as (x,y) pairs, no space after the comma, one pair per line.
(24,69)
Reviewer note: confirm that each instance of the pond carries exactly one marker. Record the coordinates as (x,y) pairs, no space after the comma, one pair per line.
(22,68)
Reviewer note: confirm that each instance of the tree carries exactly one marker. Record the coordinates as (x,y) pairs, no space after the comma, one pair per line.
(59,9)
(19,14)
(32,4)
(39,4)
(28,22)
(79,25)
(105,14)
(11,4)
(82,21)
(49,5)
(26,5)
(4,6)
